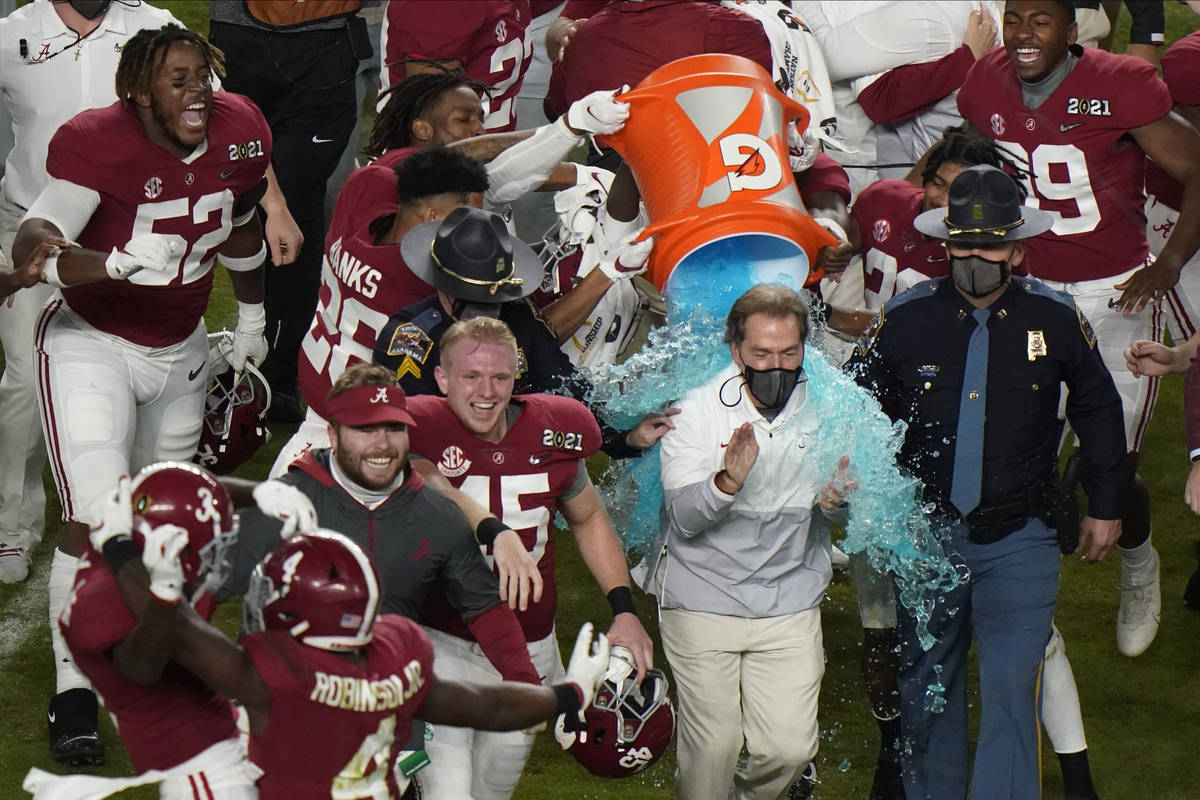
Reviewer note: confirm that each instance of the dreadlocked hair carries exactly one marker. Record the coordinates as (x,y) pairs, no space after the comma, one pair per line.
(145,52)
(959,145)
(439,170)
(407,101)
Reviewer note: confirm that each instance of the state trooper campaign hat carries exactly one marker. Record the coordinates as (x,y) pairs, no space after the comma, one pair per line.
(470,255)
(985,208)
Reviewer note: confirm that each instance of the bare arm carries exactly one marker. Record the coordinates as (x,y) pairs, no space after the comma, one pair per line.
(519,574)
(76,265)
(30,272)
(283,234)
(143,654)
(245,241)
(570,311)
(486,147)
(1175,145)
(503,706)
(602,552)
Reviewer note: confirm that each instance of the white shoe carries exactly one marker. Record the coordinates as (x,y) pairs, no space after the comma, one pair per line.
(1141,607)
(14,563)
(838,558)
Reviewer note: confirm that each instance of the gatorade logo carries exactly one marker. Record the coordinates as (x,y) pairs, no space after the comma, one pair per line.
(754,163)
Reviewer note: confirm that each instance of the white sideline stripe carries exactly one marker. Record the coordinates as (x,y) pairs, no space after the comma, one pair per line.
(26,609)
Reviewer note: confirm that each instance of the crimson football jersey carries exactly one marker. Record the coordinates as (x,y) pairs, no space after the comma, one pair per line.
(333,725)
(145,189)
(1085,170)
(519,479)
(1181,71)
(160,725)
(362,283)
(487,36)
(892,248)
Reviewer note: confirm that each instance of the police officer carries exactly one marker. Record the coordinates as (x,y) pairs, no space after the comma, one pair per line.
(479,269)
(973,363)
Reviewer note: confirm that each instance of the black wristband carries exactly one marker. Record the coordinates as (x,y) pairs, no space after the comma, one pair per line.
(119,551)
(569,698)
(487,531)
(620,600)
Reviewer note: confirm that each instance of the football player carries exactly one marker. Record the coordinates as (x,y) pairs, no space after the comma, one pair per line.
(121,353)
(175,729)
(524,459)
(364,278)
(895,255)
(1069,116)
(478,268)
(486,39)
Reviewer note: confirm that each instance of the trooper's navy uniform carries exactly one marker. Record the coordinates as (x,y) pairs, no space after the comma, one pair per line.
(408,345)
(914,359)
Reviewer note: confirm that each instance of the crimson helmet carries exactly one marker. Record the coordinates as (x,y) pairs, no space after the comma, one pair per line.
(320,587)
(235,410)
(627,727)
(175,493)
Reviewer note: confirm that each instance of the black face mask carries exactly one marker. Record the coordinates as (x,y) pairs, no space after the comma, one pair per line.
(978,276)
(462,310)
(90,8)
(772,387)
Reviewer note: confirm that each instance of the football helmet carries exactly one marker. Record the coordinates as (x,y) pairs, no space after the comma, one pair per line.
(627,727)
(319,587)
(235,410)
(175,493)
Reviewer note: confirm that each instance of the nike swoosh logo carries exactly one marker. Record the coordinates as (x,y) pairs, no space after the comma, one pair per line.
(194,373)
(320,141)
(535,460)
(228,173)
(1064,127)
(934,260)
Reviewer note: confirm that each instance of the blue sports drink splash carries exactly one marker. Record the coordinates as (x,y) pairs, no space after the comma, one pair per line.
(887,519)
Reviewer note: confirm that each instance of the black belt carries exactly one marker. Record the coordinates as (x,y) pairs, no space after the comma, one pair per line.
(997,517)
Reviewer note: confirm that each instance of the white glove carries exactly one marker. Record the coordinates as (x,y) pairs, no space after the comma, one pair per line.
(802,148)
(160,555)
(116,515)
(150,251)
(249,344)
(588,664)
(284,502)
(627,258)
(598,113)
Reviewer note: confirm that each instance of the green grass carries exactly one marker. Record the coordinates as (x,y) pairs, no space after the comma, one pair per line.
(1141,714)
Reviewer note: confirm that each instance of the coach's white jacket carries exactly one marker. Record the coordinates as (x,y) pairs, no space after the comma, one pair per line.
(754,554)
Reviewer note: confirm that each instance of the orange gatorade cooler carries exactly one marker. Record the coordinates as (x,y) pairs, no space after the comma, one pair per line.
(705,141)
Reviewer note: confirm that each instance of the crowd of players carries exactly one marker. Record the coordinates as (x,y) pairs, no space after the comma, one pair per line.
(442,466)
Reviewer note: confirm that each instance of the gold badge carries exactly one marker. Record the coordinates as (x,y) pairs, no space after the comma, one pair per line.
(1037,344)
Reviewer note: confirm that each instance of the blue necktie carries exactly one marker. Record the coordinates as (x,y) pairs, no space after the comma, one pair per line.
(968,446)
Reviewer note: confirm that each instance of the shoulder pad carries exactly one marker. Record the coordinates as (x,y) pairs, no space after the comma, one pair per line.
(1036,287)
(429,318)
(922,289)
(565,420)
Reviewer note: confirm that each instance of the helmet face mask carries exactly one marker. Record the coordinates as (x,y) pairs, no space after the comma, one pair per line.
(235,410)
(628,727)
(175,493)
(319,588)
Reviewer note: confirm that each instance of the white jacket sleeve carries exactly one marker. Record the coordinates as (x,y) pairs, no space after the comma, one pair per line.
(526,165)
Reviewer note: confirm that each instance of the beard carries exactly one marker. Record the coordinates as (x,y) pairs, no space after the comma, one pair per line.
(352,468)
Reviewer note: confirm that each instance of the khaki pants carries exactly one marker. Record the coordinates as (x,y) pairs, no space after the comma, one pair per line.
(751,681)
